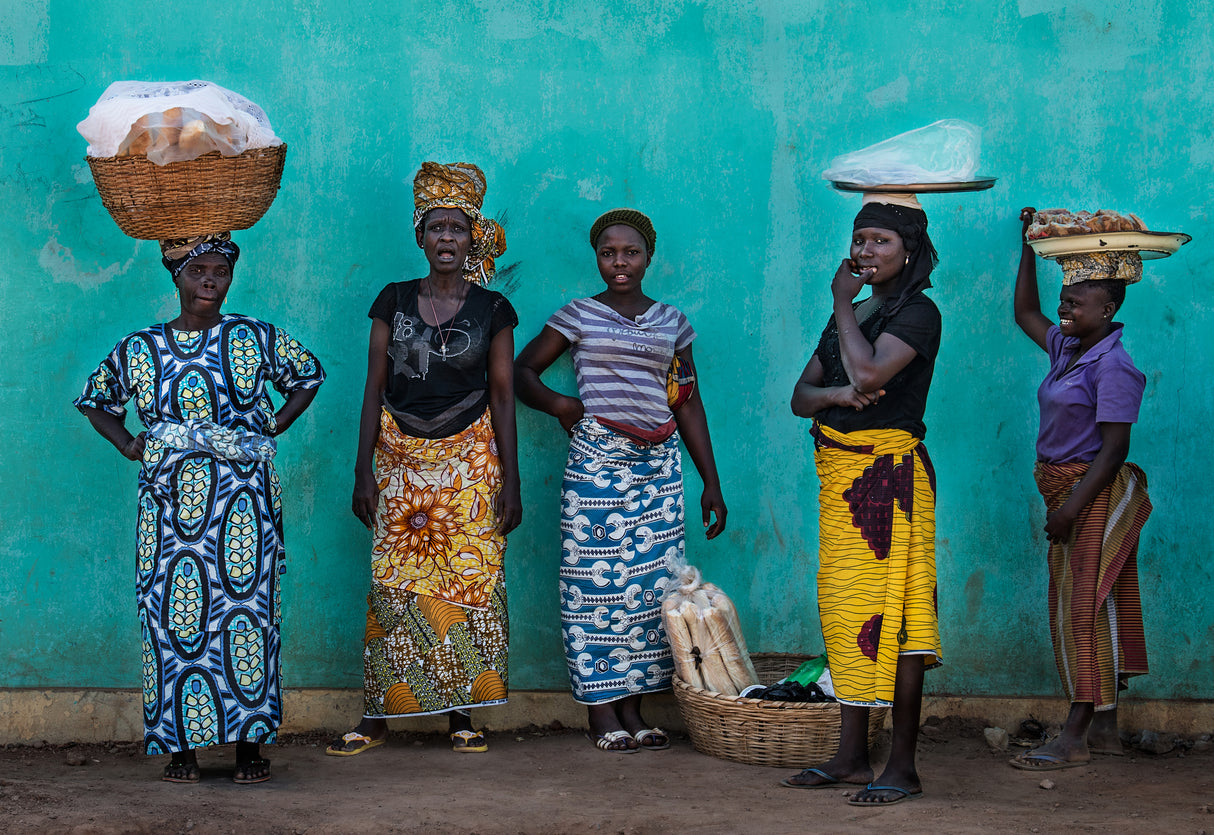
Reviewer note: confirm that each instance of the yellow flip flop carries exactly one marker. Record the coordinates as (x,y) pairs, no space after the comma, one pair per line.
(338,749)
(468,742)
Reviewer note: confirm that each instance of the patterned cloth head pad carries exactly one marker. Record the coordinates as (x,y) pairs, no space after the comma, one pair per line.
(1094,266)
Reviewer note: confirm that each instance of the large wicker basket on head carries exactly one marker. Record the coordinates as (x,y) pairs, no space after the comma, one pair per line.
(761,732)
(212,193)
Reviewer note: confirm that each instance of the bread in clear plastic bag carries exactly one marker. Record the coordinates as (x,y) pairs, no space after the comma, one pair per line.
(682,644)
(946,151)
(705,635)
(174,121)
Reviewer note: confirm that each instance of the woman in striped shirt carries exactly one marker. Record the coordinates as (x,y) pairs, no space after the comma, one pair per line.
(622,498)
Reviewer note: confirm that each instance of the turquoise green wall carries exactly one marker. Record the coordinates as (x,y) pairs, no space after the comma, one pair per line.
(714,117)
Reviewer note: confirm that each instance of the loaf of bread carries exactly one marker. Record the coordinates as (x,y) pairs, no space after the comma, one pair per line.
(705,634)
(712,666)
(178,133)
(1057,223)
(682,647)
(723,643)
(721,603)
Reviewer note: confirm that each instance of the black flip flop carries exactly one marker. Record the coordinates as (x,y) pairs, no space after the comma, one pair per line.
(192,773)
(907,794)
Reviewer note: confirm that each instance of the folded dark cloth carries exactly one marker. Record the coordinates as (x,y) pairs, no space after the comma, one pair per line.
(791,691)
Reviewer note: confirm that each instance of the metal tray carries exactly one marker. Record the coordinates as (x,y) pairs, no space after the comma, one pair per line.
(1147,244)
(980,184)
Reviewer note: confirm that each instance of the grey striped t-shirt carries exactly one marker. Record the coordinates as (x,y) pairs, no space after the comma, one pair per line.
(621,365)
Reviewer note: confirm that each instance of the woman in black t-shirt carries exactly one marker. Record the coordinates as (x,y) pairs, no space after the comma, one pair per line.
(866,389)
(438,417)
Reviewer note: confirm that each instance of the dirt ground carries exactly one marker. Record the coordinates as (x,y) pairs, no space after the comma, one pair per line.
(545,781)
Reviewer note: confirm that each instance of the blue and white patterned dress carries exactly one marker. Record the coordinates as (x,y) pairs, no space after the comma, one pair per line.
(209,550)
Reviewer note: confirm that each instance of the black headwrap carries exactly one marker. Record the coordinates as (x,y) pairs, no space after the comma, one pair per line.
(178,252)
(911,226)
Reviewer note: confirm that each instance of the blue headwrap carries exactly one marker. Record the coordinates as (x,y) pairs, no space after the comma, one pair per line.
(178,252)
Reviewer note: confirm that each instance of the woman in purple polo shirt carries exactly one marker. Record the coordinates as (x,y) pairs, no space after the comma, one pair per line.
(1096,502)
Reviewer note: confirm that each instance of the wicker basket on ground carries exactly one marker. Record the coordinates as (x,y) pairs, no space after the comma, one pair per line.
(212,193)
(761,732)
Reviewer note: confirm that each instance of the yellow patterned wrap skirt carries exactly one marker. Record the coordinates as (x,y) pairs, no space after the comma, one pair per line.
(876,558)
(423,655)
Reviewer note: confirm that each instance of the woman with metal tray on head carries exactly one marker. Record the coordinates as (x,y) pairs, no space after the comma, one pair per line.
(865,387)
(1096,502)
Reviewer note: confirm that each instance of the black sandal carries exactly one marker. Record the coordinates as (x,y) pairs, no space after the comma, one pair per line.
(182,773)
(244,769)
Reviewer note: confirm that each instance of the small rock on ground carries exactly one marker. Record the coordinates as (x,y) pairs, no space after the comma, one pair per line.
(1154,743)
(996,738)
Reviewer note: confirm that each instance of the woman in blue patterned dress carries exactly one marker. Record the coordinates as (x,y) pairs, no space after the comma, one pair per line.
(622,499)
(209,549)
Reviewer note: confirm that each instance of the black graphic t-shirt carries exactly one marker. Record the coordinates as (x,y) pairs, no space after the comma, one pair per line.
(436,390)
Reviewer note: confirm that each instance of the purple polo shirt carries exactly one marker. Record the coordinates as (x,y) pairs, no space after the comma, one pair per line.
(1102,387)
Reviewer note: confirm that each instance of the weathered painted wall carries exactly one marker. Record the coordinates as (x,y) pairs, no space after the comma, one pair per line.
(714,117)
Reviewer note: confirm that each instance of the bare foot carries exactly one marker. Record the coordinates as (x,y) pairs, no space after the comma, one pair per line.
(1061,752)
(830,773)
(1103,737)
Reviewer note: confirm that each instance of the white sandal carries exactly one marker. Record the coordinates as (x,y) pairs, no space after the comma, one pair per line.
(608,741)
(657,733)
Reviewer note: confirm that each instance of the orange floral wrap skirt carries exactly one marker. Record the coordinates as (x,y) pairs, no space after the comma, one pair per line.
(437,630)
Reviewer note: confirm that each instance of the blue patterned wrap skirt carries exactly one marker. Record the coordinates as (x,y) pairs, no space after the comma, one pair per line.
(209,623)
(621,524)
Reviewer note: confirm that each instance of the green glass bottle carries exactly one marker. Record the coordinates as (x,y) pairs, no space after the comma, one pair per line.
(809,672)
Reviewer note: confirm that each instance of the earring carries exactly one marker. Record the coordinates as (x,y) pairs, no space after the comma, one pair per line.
(906,262)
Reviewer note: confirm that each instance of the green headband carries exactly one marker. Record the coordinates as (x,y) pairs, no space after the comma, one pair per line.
(625,217)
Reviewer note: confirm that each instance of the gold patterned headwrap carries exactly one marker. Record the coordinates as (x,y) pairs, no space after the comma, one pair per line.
(461,185)
(1093,266)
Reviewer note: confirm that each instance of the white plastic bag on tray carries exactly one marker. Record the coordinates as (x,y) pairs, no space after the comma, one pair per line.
(171,121)
(942,152)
